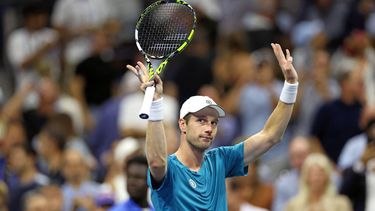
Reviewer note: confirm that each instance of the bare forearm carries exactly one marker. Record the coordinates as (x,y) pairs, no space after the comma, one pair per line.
(13,108)
(272,132)
(156,149)
(278,121)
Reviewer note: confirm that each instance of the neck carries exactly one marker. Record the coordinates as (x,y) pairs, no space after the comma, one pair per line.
(347,99)
(190,156)
(315,196)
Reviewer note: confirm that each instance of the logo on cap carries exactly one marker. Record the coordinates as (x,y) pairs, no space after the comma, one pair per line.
(208,102)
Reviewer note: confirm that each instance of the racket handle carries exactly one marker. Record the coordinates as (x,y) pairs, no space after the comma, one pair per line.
(144,113)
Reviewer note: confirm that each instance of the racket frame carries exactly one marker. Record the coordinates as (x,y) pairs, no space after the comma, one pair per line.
(159,62)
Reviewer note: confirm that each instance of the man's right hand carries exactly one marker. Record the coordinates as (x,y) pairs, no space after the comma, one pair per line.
(141,72)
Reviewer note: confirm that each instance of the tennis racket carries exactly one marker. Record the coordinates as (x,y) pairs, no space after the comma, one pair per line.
(163,30)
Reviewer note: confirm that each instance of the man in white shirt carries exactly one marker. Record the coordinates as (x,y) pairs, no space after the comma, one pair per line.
(32,49)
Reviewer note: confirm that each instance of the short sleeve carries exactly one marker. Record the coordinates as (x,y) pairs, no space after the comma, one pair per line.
(233,158)
(16,48)
(166,180)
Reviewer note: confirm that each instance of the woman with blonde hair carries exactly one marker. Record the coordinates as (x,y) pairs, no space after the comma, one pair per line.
(317,192)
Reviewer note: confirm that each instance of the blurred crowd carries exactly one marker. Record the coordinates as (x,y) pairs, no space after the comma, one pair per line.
(71,139)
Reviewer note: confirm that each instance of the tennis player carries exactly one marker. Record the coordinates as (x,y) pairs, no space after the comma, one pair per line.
(193,178)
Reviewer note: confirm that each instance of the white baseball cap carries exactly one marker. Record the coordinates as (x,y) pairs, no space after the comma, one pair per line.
(196,103)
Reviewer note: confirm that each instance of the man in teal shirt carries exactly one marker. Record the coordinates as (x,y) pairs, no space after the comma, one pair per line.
(193,178)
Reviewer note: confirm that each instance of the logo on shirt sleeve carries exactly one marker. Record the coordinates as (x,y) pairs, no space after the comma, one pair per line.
(192,183)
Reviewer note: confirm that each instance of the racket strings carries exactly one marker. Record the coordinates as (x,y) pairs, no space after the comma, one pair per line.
(165,28)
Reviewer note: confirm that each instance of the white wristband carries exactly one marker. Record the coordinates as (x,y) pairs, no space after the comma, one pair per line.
(289,93)
(156,110)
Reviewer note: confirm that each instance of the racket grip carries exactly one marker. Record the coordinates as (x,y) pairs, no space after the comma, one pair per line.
(144,113)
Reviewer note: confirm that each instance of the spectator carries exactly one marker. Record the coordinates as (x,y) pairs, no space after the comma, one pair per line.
(287,185)
(357,178)
(50,146)
(356,145)
(79,191)
(76,22)
(32,49)
(330,14)
(317,88)
(358,51)
(15,134)
(135,169)
(338,120)
(22,164)
(317,191)
(95,76)
(235,202)
(35,201)
(115,176)
(54,195)
(63,124)
(252,190)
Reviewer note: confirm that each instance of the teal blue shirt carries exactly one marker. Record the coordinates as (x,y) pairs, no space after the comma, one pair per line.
(183,189)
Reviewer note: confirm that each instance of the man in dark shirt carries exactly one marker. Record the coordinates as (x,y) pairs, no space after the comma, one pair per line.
(338,120)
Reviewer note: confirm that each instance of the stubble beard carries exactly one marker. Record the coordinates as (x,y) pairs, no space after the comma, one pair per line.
(199,145)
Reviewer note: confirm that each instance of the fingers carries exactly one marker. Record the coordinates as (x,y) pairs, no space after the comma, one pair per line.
(142,67)
(146,84)
(157,79)
(131,68)
(140,71)
(278,52)
(288,56)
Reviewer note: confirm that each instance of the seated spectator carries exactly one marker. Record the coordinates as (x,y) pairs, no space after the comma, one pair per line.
(49,102)
(357,179)
(286,186)
(32,49)
(135,169)
(316,88)
(317,190)
(14,134)
(338,120)
(79,191)
(235,202)
(50,146)
(116,176)
(96,76)
(54,194)
(63,124)
(252,190)
(35,201)
(356,145)
(22,164)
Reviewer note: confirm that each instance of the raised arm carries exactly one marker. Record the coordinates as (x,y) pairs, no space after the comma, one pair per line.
(156,143)
(276,124)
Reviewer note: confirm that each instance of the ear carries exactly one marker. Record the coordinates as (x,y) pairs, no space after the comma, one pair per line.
(182,125)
